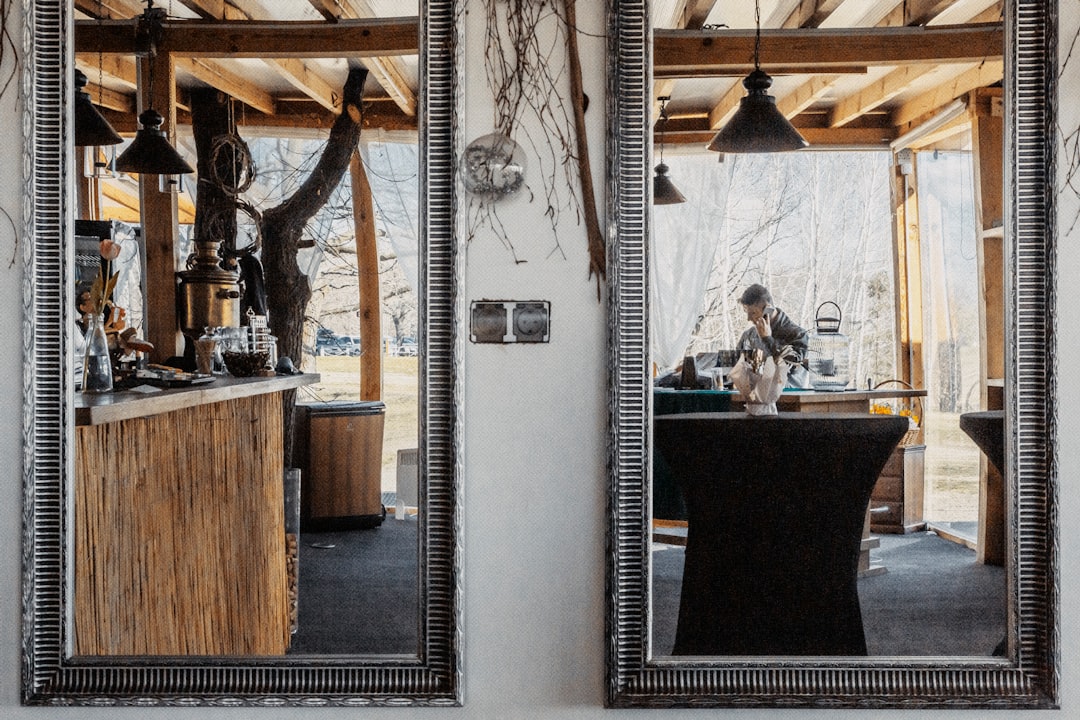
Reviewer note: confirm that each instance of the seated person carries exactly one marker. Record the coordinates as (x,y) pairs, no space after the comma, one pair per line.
(772,330)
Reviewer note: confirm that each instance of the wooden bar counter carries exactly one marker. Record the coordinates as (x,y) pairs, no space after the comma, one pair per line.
(179,520)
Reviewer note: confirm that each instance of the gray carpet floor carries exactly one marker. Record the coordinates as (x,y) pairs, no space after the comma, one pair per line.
(933,599)
(358,595)
(358,591)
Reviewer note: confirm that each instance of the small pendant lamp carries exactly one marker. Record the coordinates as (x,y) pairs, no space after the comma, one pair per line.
(91,127)
(664,191)
(150,151)
(757,126)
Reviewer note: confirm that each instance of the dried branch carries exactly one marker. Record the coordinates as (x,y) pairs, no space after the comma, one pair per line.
(526,85)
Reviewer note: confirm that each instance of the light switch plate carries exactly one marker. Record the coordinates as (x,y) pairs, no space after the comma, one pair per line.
(510,321)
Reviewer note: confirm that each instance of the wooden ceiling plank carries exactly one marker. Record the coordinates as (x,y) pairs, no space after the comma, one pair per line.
(876,94)
(111,99)
(982,75)
(206,9)
(226,81)
(387,71)
(817,50)
(110,9)
(805,95)
(118,68)
(722,111)
(372,37)
(306,81)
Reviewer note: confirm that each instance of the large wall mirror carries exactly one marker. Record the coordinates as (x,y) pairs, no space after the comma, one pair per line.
(793,560)
(199,535)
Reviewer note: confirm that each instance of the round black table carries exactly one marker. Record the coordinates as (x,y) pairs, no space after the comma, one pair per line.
(776,507)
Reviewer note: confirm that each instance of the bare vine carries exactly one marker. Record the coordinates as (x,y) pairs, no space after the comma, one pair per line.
(1070,142)
(9,65)
(528,79)
(8,48)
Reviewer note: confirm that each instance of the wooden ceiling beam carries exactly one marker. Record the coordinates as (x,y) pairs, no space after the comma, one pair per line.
(876,94)
(694,13)
(979,76)
(387,71)
(111,99)
(307,82)
(215,75)
(374,37)
(688,14)
(818,50)
(820,138)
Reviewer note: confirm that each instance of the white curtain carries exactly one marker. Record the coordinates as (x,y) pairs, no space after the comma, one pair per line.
(684,241)
(392,165)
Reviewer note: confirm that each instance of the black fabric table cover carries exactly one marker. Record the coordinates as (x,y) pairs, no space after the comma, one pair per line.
(987,429)
(776,511)
(667,500)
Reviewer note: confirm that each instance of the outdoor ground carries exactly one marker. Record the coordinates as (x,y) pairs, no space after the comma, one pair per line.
(952,470)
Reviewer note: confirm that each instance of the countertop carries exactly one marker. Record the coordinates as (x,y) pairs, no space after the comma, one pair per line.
(128,404)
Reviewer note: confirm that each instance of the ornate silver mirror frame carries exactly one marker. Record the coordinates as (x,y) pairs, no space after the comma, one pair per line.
(50,676)
(1028,677)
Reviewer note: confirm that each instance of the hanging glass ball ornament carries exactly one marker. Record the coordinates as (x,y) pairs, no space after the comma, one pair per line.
(493,166)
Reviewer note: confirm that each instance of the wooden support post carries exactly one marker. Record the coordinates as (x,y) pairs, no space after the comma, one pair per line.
(158,217)
(908,271)
(987,141)
(367,278)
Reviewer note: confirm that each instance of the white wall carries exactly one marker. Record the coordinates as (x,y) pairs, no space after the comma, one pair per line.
(534,479)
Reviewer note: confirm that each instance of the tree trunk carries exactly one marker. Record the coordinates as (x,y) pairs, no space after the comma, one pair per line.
(287,288)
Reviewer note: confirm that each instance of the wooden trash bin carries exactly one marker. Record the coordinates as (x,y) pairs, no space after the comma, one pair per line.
(339,446)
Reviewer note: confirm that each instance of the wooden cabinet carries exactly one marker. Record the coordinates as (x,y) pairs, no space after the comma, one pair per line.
(896,504)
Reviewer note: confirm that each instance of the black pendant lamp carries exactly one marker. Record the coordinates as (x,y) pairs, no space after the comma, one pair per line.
(150,151)
(757,126)
(664,191)
(91,127)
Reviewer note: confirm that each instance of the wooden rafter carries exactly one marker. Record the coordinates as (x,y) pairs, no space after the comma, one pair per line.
(109,9)
(304,79)
(216,75)
(982,75)
(388,71)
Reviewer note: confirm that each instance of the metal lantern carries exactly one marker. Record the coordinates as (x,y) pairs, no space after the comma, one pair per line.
(829,351)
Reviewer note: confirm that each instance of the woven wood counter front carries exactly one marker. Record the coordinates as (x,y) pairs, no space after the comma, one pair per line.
(179,522)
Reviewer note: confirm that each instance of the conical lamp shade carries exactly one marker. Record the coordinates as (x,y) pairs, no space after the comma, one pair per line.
(757,126)
(91,128)
(664,191)
(150,151)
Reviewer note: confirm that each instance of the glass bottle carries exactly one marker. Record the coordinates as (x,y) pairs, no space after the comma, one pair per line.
(97,364)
